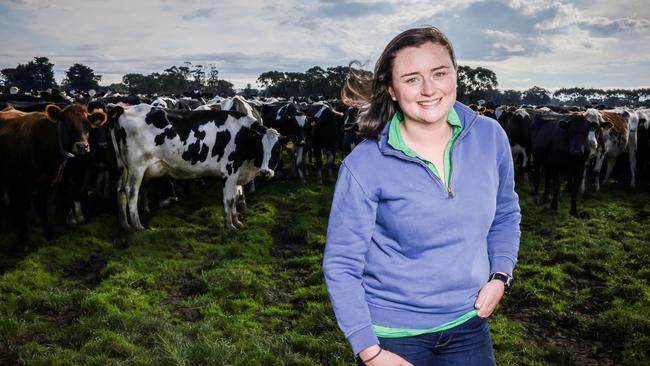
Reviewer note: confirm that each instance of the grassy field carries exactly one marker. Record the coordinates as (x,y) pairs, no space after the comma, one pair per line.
(186,292)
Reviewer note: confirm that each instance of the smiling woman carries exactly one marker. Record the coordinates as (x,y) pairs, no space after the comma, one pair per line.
(419,250)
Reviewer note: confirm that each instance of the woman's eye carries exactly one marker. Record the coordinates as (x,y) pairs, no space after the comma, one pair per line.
(411,80)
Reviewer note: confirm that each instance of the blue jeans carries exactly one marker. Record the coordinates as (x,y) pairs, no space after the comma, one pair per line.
(468,344)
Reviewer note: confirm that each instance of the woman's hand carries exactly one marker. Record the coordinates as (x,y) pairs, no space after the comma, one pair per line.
(488,298)
(385,358)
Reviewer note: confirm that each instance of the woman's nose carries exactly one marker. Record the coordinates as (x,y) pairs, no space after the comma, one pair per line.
(427,87)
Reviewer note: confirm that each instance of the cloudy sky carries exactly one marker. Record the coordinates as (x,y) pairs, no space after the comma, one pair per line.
(553,44)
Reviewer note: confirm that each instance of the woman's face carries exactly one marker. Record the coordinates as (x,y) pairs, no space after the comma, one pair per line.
(424,83)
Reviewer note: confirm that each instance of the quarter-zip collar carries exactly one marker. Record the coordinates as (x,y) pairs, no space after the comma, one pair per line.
(467,118)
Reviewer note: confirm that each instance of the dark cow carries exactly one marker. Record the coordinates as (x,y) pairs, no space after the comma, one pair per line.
(350,130)
(517,123)
(155,142)
(88,172)
(560,146)
(326,131)
(33,151)
(290,122)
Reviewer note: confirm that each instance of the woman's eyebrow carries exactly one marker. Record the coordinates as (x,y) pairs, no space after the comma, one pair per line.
(416,72)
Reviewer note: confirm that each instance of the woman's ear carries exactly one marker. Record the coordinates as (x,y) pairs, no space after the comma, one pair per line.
(391,92)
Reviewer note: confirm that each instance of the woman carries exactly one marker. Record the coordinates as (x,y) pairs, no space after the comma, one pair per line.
(424,228)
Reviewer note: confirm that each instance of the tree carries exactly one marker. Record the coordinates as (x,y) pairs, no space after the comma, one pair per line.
(81,78)
(224,88)
(249,91)
(141,84)
(475,83)
(34,75)
(118,88)
(536,96)
(508,97)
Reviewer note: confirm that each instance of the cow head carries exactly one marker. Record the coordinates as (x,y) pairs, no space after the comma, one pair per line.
(578,131)
(73,126)
(272,152)
(297,121)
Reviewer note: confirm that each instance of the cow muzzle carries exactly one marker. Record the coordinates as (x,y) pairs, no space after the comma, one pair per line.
(81,148)
(267,173)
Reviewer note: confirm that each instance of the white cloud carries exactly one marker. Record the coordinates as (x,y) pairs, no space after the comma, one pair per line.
(525,42)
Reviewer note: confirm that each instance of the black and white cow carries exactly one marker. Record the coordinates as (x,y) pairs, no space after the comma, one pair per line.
(287,119)
(155,142)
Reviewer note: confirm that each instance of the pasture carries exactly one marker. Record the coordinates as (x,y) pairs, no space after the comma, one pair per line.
(187,292)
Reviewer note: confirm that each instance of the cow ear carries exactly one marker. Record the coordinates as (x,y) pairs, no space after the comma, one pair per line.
(563,124)
(53,113)
(114,111)
(97,119)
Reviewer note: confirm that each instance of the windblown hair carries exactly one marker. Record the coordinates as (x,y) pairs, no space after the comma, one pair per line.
(369,92)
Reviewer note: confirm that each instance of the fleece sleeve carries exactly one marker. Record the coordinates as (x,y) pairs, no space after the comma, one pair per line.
(349,231)
(504,235)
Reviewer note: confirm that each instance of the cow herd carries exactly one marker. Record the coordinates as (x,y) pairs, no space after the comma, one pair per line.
(56,150)
(574,143)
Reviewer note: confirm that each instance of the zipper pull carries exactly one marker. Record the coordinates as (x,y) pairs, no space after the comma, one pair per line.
(450,194)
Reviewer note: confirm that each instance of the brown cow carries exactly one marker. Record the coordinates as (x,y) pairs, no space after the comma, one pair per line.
(33,151)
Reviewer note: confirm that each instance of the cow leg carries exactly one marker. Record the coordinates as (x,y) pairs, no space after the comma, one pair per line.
(299,164)
(330,164)
(250,187)
(556,190)
(536,178)
(319,164)
(610,168)
(145,198)
(525,167)
(573,181)
(172,196)
(240,198)
(123,199)
(583,184)
(229,206)
(631,150)
(75,216)
(20,204)
(597,167)
(133,190)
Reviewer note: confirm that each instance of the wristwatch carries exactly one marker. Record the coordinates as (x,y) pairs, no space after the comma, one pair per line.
(505,278)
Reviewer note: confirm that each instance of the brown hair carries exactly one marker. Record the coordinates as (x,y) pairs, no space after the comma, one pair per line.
(369,92)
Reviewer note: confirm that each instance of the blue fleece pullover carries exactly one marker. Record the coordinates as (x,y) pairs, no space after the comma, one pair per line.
(402,250)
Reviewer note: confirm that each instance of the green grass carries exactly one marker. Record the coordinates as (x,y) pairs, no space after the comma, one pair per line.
(186,292)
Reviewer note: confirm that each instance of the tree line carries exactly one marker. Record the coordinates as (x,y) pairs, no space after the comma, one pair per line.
(474,84)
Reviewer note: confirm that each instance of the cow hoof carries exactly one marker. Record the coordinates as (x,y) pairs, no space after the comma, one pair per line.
(230,227)
(238,224)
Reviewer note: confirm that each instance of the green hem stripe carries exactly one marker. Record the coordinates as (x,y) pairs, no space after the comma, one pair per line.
(386,332)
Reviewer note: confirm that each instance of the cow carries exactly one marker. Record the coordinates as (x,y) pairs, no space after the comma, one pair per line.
(643,139)
(350,130)
(596,146)
(290,122)
(560,146)
(155,142)
(325,134)
(618,139)
(517,123)
(33,151)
